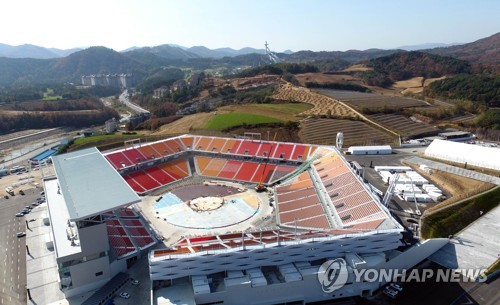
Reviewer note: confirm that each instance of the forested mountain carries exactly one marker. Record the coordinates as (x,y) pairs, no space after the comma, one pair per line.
(351,56)
(388,65)
(478,88)
(483,51)
(94,60)
(166,51)
(202,51)
(405,65)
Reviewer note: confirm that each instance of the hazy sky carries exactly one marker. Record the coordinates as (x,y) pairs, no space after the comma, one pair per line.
(285,24)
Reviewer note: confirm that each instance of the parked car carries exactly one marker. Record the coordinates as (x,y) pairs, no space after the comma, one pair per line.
(396,287)
(19,214)
(390,293)
(21,192)
(6,196)
(135,282)
(124,295)
(21,234)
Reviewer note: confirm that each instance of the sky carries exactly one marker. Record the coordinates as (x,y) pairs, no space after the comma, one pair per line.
(317,25)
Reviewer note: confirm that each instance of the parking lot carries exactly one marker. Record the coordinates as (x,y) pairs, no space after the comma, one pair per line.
(13,248)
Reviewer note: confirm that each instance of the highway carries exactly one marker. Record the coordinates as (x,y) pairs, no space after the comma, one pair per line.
(125,100)
(13,249)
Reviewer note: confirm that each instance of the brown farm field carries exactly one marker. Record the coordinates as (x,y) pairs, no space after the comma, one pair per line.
(404,126)
(255,81)
(358,68)
(185,124)
(372,101)
(327,78)
(322,104)
(414,85)
(324,131)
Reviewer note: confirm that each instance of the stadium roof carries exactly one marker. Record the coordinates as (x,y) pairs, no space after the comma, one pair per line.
(90,185)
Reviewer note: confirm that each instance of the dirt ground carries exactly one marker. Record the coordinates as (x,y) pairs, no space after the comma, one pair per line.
(259,80)
(185,124)
(409,83)
(358,67)
(322,104)
(414,85)
(327,78)
(459,187)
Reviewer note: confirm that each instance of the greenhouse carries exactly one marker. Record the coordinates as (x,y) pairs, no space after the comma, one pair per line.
(475,155)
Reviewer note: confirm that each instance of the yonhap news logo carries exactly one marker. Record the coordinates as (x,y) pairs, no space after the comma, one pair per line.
(332,275)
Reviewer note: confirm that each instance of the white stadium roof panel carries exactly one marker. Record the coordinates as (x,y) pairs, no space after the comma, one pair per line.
(90,185)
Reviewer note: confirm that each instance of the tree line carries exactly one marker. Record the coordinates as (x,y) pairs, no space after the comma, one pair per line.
(476,88)
(38,120)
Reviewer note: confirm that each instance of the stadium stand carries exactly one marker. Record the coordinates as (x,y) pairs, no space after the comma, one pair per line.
(134,155)
(187,141)
(118,239)
(149,152)
(119,160)
(230,169)
(145,180)
(231,146)
(247,171)
(214,167)
(248,148)
(133,184)
(159,175)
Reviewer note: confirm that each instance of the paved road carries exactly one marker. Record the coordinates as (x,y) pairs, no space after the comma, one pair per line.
(125,100)
(13,249)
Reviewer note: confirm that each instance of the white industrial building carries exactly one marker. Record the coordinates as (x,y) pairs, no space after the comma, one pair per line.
(475,155)
(83,189)
(370,150)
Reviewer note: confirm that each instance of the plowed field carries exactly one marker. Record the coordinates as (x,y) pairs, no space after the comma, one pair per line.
(324,131)
(322,104)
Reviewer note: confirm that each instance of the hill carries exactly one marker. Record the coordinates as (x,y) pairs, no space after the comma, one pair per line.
(94,60)
(405,65)
(32,51)
(166,51)
(477,88)
(483,51)
(350,56)
(202,51)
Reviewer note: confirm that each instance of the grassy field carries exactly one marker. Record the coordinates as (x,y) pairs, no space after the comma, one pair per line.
(284,112)
(49,95)
(100,138)
(453,219)
(228,120)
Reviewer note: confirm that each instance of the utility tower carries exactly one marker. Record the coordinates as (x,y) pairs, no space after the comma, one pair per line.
(273,58)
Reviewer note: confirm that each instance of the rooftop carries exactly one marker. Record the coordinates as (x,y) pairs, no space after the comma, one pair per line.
(90,185)
(59,220)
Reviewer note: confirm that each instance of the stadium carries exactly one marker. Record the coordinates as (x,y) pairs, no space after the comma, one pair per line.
(220,220)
